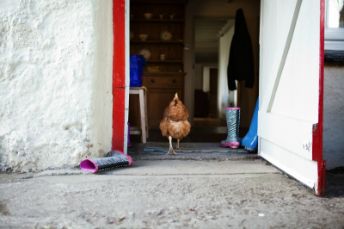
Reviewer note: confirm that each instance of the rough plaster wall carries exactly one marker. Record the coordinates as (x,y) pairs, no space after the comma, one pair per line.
(334,116)
(49,84)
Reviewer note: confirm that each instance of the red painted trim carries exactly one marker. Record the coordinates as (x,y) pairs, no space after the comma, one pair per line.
(118,119)
(318,128)
(118,75)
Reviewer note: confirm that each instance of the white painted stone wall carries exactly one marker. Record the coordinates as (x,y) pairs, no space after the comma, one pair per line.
(55,82)
(334,116)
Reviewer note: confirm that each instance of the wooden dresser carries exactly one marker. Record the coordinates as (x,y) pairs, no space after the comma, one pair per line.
(157,33)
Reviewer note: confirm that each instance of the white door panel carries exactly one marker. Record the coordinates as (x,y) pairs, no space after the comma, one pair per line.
(297,167)
(299,95)
(289,86)
(276,19)
(294,135)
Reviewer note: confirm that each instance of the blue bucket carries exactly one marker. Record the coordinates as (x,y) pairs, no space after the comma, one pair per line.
(136,70)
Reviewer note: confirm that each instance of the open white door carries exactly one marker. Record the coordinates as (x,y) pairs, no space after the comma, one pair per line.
(291,88)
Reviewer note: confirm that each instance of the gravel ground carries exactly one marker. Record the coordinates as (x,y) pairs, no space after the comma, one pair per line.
(168,194)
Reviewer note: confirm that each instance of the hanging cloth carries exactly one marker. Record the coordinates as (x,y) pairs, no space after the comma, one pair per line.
(240,63)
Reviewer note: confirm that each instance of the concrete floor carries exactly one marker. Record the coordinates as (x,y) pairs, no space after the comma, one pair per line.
(168,194)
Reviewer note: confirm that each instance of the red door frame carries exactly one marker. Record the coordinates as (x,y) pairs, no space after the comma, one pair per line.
(118,76)
(318,129)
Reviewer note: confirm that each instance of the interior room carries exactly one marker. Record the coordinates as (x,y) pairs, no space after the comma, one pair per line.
(186,46)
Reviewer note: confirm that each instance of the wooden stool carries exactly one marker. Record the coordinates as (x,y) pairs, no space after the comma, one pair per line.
(142,93)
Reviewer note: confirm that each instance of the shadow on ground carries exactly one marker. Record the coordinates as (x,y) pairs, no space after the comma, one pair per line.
(335,183)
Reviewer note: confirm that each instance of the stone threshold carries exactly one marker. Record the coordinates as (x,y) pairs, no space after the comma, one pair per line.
(188,151)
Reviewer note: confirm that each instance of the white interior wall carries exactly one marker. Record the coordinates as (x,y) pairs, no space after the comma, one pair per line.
(333,116)
(224,96)
(206,79)
(55,82)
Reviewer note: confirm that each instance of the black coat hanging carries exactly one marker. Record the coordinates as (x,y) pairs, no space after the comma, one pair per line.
(240,64)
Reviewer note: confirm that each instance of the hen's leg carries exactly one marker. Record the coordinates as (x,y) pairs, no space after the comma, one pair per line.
(177,143)
(170,150)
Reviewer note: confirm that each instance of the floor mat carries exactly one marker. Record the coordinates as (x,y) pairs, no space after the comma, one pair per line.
(188,151)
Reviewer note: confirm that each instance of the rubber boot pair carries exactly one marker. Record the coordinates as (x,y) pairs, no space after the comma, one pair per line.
(233,123)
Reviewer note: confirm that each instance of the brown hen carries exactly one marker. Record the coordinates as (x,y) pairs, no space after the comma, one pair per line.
(174,123)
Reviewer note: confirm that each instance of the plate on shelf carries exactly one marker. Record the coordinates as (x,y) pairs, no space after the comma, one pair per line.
(148,15)
(145,53)
(166,36)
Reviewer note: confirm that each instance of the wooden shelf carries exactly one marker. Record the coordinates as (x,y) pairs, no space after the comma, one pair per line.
(157,20)
(158,2)
(162,78)
(157,42)
(165,61)
(159,74)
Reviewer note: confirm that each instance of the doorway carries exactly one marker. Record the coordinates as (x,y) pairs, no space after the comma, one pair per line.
(316,136)
(197,65)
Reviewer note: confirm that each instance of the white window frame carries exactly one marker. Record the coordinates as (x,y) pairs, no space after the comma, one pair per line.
(334,41)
